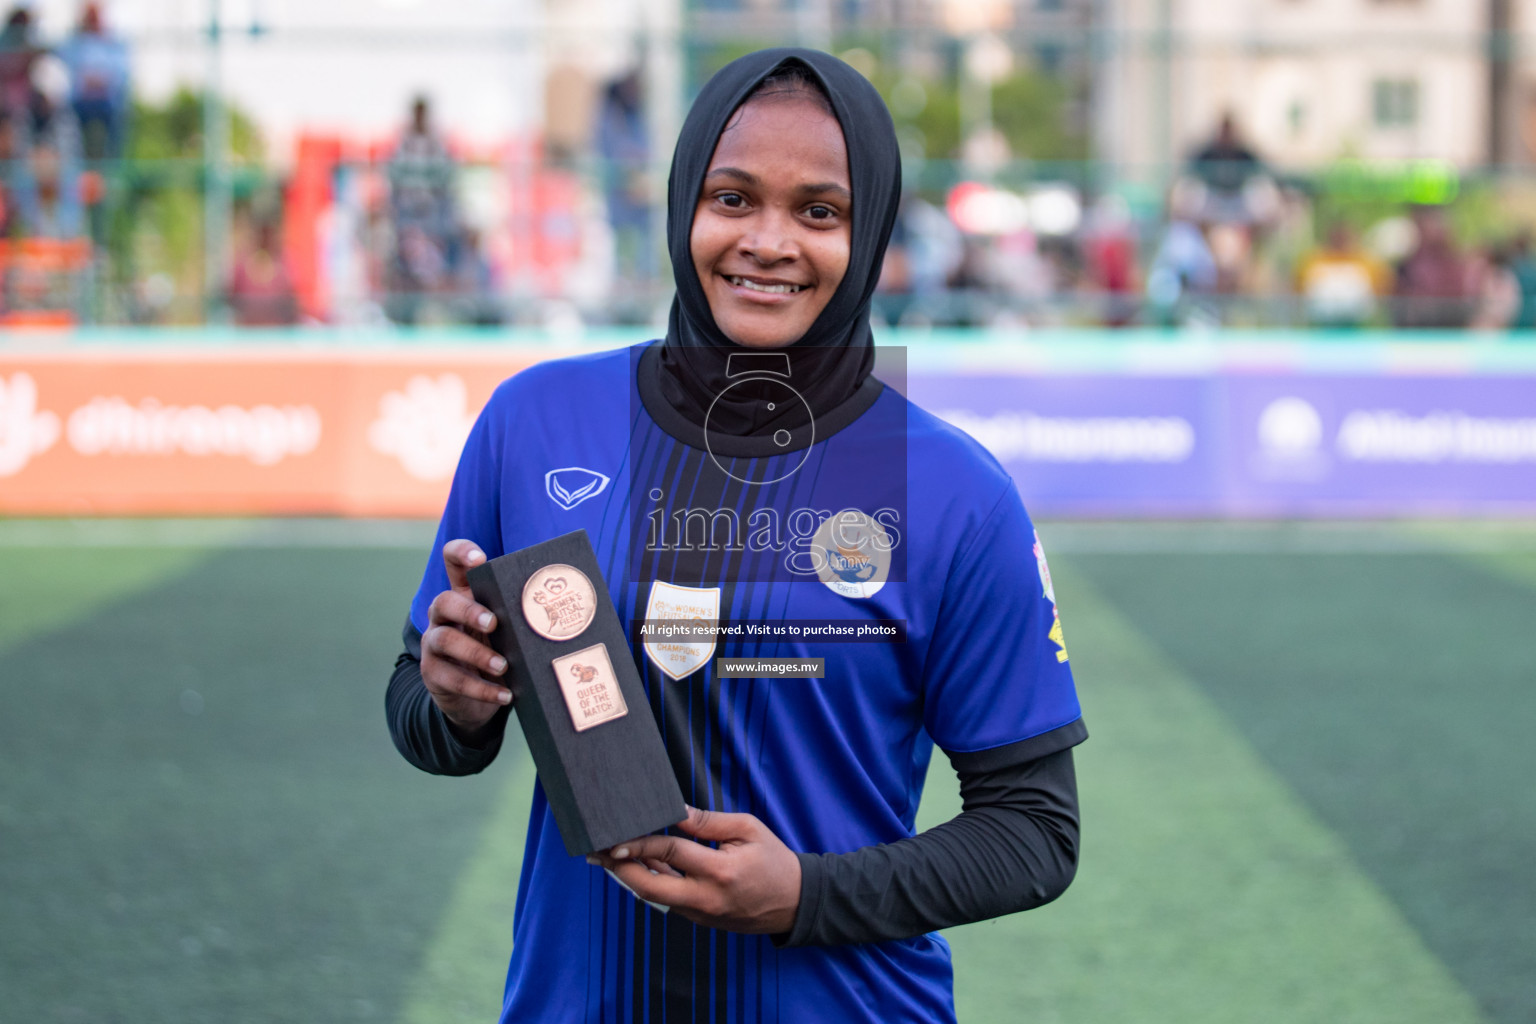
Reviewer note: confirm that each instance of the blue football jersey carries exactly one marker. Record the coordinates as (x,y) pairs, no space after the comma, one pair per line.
(897,520)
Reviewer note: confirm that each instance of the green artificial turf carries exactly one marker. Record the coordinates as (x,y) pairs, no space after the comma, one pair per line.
(1206,891)
(48,589)
(1393,693)
(1304,798)
(459,977)
(204,818)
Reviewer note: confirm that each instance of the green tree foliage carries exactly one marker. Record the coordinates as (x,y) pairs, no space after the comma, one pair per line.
(1034,113)
(156,224)
(173,130)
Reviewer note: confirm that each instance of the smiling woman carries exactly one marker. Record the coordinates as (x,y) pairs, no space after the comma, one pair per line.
(797,888)
(786,176)
(771,232)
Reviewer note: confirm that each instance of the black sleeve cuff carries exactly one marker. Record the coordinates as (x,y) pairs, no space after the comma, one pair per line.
(1010,754)
(420,730)
(813,883)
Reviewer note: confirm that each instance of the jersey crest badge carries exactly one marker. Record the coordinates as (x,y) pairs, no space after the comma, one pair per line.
(1055,635)
(573,485)
(853,554)
(696,605)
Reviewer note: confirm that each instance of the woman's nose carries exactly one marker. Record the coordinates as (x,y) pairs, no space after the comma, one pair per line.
(771,239)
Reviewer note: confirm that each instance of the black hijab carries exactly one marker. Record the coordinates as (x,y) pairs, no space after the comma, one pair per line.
(690,374)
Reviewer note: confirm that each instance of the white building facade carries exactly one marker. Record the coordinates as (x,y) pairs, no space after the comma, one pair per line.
(1308,81)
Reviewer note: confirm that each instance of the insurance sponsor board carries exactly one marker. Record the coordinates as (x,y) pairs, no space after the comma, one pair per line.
(165,431)
(1380,445)
(1254,444)
(1101,443)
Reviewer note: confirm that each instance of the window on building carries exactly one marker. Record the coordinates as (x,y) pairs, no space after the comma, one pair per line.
(1296,118)
(1395,102)
(1050,58)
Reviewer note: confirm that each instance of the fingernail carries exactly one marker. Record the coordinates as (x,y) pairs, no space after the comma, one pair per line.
(655,872)
(498,664)
(593,860)
(477,555)
(622,853)
(504,696)
(486,620)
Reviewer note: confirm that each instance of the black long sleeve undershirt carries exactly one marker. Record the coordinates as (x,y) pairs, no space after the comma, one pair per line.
(1012,847)
(422,733)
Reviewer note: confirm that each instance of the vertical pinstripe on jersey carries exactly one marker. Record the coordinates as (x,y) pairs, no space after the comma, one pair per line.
(654,968)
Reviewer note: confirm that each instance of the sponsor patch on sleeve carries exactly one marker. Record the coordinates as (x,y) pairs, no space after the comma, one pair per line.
(1056,636)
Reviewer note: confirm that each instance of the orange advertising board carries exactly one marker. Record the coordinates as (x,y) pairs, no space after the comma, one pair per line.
(259,431)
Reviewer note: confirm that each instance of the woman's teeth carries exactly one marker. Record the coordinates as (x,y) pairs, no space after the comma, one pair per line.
(773,289)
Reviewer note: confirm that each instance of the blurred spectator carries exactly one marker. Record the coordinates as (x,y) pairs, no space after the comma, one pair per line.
(1231,246)
(474,283)
(48,198)
(1109,254)
(934,251)
(624,145)
(261,290)
(1432,280)
(1226,167)
(1019,268)
(7,201)
(47,189)
(1524,267)
(1340,282)
(424,216)
(1494,290)
(893,294)
(98,85)
(1183,270)
(18,51)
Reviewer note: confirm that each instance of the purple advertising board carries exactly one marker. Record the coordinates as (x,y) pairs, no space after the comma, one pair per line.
(1252,444)
(1094,444)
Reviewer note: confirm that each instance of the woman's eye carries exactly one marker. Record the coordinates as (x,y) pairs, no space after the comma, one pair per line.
(821,213)
(732,200)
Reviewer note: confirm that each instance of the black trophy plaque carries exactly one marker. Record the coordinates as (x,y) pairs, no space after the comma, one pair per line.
(578,694)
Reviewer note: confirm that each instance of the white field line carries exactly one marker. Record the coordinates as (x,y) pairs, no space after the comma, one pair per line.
(410,534)
(1270,538)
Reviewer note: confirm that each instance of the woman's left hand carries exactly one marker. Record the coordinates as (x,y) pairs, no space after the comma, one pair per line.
(749,883)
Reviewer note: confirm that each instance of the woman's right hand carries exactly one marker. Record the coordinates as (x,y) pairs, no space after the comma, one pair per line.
(456,662)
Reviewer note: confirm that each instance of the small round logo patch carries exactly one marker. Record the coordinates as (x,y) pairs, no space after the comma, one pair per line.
(559,602)
(852,553)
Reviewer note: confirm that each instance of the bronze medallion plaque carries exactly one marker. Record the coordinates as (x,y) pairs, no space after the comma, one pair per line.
(571,669)
(591,690)
(559,602)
